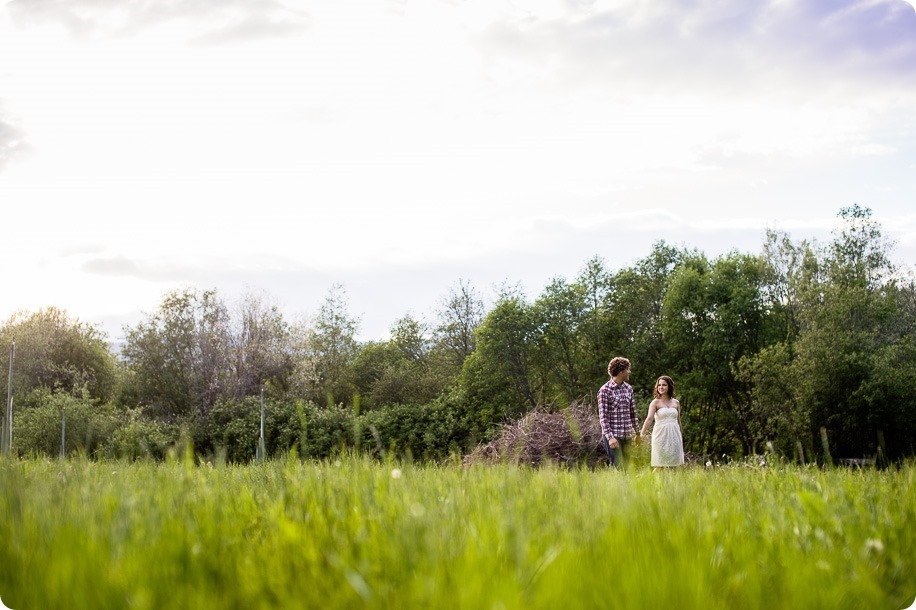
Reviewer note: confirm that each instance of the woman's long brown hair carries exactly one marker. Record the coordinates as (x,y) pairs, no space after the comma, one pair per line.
(670,383)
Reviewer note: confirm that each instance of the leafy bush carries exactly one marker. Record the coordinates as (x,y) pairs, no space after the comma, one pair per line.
(431,431)
(326,430)
(138,437)
(233,426)
(37,428)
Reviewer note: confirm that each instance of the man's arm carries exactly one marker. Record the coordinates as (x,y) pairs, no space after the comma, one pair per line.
(633,417)
(603,416)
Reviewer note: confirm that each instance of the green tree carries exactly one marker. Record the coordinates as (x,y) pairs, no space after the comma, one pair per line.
(498,379)
(177,359)
(262,348)
(595,284)
(777,411)
(88,425)
(333,345)
(846,312)
(460,314)
(56,351)
(400,370)
(790,268)
(634,318)
(561,317)
(713,316)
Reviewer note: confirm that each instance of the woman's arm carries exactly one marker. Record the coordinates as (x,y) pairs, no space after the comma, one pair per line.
(652,406)
(678,405)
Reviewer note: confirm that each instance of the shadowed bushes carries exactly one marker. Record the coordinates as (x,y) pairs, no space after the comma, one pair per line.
(91,429)
(231,430)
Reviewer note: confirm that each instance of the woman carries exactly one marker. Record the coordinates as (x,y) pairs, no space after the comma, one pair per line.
(667,440)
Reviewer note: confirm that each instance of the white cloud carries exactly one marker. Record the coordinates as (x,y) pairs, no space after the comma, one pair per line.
(201,20)
(12,140)
(202,141)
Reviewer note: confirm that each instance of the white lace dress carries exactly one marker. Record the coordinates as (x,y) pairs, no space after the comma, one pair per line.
(667,443)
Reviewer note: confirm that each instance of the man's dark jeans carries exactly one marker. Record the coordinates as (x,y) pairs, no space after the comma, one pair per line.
(619,455)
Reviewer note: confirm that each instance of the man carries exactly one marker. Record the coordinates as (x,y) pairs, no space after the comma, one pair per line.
(617,412)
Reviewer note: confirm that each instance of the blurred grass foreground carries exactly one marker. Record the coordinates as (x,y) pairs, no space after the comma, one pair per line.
(354,532)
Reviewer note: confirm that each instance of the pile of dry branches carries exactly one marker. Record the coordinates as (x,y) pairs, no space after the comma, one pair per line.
(570,436)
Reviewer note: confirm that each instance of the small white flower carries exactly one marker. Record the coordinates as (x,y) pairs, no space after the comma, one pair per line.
(873,545)
(708,464)
(395,473)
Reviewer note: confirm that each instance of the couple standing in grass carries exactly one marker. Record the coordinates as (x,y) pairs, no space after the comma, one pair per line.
(617,414)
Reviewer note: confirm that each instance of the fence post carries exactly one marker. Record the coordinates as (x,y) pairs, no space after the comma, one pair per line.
(260,452)
(828,459)
(6,442)
(881,459)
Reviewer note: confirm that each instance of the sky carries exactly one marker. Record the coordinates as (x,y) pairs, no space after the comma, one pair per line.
(397,146)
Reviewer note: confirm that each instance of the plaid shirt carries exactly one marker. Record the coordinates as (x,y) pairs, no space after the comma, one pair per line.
(617,410)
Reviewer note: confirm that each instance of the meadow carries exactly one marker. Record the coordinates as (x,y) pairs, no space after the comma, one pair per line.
(355,532)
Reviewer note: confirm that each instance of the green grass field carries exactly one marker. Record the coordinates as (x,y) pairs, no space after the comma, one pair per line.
(357,533)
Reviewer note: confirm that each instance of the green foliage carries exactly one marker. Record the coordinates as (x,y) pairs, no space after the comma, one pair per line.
(194,351)
(137,437)
(37,428)
(561,316)
(764,349)
(499,378)
(231,429)
(402,370)
(455,336)
(633,317)
(333,345)
(710,317)
(891,402)
(55,351)
(178,358)
(776,415)
(262,350)
(429,431)
(845,313)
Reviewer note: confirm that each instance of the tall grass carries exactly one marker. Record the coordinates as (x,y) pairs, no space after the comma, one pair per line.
(357,533)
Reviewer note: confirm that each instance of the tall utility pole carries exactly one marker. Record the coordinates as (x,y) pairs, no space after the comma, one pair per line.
(6,442)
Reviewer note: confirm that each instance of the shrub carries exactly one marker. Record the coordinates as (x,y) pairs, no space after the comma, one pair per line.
(137,437)
(37,428)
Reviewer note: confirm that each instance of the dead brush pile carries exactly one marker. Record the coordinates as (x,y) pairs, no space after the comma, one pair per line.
(570,436)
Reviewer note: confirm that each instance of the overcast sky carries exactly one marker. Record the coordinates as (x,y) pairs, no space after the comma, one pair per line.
(396,146)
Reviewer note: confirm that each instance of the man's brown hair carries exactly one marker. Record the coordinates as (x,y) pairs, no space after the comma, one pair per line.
(616,365)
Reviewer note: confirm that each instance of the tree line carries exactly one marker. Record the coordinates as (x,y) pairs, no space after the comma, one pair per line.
(766,350)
